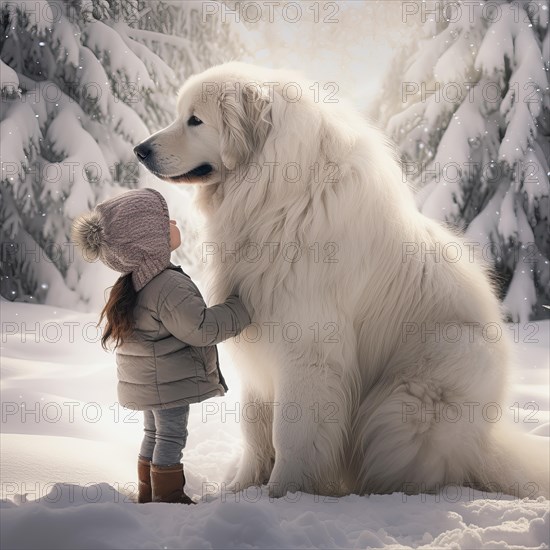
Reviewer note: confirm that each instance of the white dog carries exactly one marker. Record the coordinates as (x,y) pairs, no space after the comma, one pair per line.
(378,359)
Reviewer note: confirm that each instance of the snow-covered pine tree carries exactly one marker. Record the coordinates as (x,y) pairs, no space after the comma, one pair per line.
(472,121)
(80,85)
(192,35)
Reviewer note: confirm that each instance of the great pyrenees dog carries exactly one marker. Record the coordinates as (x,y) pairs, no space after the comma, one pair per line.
(377,360)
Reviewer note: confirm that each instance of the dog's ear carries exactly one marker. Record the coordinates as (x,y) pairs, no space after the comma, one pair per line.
(245,113)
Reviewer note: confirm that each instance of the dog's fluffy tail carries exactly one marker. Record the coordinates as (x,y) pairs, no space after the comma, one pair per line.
(519,464)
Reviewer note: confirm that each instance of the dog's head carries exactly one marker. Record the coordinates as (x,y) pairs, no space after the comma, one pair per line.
(265,121)
(222,119)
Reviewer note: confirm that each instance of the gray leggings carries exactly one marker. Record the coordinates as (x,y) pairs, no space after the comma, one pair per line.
(165,435)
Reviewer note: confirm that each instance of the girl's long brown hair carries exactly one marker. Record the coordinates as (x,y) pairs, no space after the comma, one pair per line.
(119,311)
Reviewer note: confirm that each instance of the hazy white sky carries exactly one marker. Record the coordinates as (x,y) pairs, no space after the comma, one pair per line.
(350,43)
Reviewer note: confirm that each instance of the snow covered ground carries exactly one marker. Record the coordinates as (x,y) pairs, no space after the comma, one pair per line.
(68,459)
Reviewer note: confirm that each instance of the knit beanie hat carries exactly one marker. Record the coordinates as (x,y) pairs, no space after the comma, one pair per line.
(129,233)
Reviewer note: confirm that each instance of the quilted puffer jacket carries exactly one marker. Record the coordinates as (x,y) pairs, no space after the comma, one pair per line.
(171,358)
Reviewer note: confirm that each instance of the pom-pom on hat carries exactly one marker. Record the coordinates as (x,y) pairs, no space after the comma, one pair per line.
(129,233)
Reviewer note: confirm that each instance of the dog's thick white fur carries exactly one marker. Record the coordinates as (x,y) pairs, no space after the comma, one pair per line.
(378,354)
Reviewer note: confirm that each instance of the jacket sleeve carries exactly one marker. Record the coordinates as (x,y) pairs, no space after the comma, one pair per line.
(185,315)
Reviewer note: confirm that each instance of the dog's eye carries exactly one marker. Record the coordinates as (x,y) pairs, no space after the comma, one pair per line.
(194,121)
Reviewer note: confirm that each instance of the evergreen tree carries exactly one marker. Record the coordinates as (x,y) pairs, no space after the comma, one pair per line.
(82,81)
(472,121)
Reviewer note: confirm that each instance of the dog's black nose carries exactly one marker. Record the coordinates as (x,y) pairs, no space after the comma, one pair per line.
(142,150)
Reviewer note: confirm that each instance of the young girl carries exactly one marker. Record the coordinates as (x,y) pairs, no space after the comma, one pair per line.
(164,333)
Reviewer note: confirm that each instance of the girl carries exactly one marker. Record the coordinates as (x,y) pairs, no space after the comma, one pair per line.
(164,334)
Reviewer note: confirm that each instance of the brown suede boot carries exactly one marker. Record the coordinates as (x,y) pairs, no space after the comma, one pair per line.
(145,491)
(168,483)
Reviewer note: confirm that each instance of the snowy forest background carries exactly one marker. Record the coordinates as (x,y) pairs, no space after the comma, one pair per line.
(462,90)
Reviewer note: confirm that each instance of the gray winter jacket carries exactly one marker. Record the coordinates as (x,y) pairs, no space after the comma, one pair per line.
(171,358)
